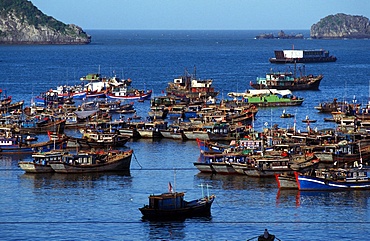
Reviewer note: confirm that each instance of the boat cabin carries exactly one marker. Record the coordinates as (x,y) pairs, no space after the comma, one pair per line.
(167,201)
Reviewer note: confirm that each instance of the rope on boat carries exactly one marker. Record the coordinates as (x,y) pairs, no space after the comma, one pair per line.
(141,167)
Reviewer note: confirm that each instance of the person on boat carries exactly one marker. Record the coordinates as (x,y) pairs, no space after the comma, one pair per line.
(266,233)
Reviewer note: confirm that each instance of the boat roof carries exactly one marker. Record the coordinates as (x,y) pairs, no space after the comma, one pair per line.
(253,92)
(167,195)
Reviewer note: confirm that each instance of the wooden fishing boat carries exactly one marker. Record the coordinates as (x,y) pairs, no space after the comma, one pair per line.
(40,162)
(172,206)
(100,139)
(38,127)
(190,87)
(287,80)
(268,167)
(101,161)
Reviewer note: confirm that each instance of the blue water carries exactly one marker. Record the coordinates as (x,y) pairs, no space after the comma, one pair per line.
(105,206)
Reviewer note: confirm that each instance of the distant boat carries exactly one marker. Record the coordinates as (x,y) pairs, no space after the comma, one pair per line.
(286,115)
(190,87)
(308,120)
(268,97)
(302,56)
(172,206)
(288,80)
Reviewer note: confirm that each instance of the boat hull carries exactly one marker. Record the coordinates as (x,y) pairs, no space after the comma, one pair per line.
(310,183)
(196,208)
(119,163)
(31,167)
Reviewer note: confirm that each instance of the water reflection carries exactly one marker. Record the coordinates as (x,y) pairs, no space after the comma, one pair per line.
(165,230)
(82,180)
(235,182)
(325,198)
(288,196)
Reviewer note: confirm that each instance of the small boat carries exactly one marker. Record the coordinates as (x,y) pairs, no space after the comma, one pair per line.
(172,206)
(86,162)
(30,138)
(40,162)
(308,120)
(286,115)
(266,236)
(355,178)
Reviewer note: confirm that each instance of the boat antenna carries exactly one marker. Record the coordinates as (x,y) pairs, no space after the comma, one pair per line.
(174,180)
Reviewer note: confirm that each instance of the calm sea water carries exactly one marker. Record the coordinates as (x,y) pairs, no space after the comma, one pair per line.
(105,206)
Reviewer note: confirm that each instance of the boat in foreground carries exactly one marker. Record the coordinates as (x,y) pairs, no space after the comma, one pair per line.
(84,162)
(334,179)
(172,206)
(266,236)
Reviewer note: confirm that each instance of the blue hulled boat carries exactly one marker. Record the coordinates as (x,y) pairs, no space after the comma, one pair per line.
(335,179)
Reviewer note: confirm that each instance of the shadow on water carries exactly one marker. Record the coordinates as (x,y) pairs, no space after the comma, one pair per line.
(78,180)
(235,182)
(331,198)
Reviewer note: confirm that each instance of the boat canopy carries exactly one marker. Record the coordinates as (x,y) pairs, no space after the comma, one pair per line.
(85,114)
(250,93)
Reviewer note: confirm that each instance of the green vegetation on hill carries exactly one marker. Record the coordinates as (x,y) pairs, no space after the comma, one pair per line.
(26,11)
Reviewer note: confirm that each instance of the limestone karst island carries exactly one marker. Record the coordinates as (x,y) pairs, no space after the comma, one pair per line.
(23,23)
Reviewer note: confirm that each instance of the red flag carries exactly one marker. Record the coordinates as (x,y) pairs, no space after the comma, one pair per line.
(170,187)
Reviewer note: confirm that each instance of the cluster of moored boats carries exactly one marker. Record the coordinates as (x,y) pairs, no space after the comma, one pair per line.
(312,160)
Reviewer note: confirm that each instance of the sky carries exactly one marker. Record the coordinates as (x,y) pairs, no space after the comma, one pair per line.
(198,14)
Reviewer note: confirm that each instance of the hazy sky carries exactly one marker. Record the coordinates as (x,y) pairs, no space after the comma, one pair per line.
(198,14)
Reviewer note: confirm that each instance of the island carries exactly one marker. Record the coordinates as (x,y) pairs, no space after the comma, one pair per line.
(341,26)
(280,35)
(23,23)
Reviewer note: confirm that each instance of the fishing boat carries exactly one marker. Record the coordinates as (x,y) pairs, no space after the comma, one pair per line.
(100,161)
(268,97)
(302,56)
(40,162)
(287,80)
(172,206)
(44,125)
(15,144)
(354,178)
(121,89)
(190,87)
(100,139)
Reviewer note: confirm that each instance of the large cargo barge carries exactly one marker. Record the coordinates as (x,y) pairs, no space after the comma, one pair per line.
(302,56)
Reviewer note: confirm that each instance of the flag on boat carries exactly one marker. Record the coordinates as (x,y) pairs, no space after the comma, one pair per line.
(170,189)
